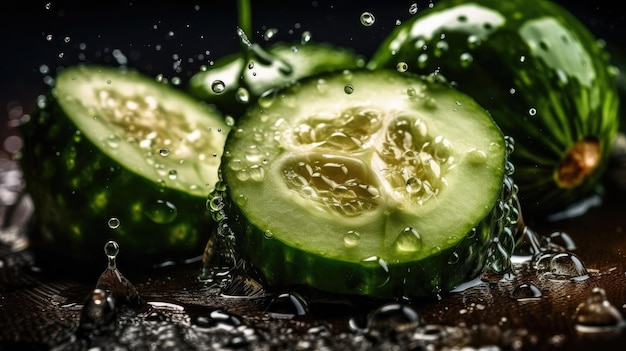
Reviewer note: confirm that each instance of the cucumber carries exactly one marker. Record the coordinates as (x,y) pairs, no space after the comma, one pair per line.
(369,183)
(538,70)
(233,84)
(111,154)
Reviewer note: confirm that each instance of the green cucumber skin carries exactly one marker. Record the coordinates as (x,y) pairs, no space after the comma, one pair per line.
(305,59)
(565,112)
(281,266)
(76,189)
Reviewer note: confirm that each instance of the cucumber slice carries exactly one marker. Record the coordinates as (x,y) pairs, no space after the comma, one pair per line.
(543,76)
(232,84)
(370,183)
(114,155)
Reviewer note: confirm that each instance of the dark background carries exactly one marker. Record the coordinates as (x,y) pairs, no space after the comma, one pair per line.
(176,38)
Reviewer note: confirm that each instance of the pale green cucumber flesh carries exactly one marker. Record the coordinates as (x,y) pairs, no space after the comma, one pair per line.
(115,155)
(370,183)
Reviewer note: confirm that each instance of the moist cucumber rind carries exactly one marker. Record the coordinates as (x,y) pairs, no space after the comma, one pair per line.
(368,183)
(275,67)
(545,79)
(114,155)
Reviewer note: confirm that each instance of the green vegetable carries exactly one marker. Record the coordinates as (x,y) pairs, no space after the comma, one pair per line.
(541,74)
(371,183)
(279,65)
(114,155)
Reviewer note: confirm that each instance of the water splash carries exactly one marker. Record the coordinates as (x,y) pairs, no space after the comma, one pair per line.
(597,315)
(113,282)
(98,314)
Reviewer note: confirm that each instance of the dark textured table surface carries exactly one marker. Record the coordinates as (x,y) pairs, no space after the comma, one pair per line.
(42,306)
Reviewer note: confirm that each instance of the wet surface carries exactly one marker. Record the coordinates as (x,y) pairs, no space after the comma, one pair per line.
(570,295)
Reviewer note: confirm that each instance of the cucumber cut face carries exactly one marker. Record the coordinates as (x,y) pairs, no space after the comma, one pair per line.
(114,155)
(369,183)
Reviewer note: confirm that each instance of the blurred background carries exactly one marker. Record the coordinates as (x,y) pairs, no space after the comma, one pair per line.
(175,39)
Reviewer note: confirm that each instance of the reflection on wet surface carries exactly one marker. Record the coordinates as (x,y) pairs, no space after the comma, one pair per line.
(570,293)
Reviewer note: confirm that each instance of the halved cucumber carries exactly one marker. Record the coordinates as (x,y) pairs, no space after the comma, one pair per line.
(369,183)
(114,155)
(543,76)
(232,84)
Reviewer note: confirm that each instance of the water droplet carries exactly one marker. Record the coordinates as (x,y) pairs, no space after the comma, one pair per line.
(402,66)
(218,86)
(532,111)
(269,34)
(558,241)
(351,239)
(348,89)
(367,19)
(217,318)
(113,141)
(454,258)
(242,95)
(597,315)
(113,223)
(229,120)
(409,240)
(288,305)
(172,174)
(164,151)
(476,157)
(98,313)
(563,266)
(268,234)
(392,319)
(161,211)
(466,59)
(413,8)
(526,292)
(305,38)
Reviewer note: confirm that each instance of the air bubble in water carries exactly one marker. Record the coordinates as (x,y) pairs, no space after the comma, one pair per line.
(113,223)
(597,315)
(526,292)
(367,19)
(218,86)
